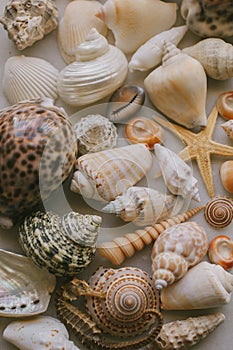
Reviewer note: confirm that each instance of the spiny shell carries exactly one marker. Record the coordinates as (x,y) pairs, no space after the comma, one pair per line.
(176,250)
(29,21)
(226,175)
(65,245)
(228,128)
(219,212)
(95,133)
(26,78)
(221,251)
(25,290)
(225,105)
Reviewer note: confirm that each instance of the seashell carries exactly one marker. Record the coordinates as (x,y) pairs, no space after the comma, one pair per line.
(225,105)
(176,250)
(95,133)
(207,18)
(64,245)
(215,55)
(25,290)
(79,18)
(38,333)
(221,251)
(107,174)
(98,70)
(176,173)
(38,150)
(124,102)
(228,128)
(183,334)
(120,248)
(150,54)
(27,22)
(219,212)
(127,17)
(178,88)
(26,78)
(143,130)
(213,289)
(226,171)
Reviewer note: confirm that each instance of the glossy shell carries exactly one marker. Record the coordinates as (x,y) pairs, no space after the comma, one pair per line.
(226,175)
(221,251)
(219,212)
(225,104)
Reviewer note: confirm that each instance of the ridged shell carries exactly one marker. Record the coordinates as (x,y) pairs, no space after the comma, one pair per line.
(228,128)
(26,78)
(25,290)
(226,171)
(225,105)
(221,251)
(65,245)
(219,212)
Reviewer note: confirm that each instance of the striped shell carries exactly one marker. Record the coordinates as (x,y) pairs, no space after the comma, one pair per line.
(219,212)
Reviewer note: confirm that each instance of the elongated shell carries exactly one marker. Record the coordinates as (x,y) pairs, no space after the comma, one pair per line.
(36,333)
(221,251)
(213,289)
(176,250)
(225,105)
(226,171)
(228,128)
(178,88)
(105,175)
(25,290)
(26,78)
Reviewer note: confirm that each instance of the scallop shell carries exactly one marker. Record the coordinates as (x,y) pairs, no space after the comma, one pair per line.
(26,78)
(225,105)
(25,290)
(127,17)
(64,245)
(219,212)
(221,251)
(99,69)
(29,21)
(176,250)
(95,133)
(36,333)
(226,172)
(107,174)
(178,88)
(79,18)
(228,128)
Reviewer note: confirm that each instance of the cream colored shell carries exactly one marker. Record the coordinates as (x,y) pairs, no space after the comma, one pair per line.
(226,175)
(228,128)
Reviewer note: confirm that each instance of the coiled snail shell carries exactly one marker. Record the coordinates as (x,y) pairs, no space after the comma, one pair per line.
(219,212)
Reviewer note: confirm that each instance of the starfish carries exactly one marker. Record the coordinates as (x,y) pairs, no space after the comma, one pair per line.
(200,146)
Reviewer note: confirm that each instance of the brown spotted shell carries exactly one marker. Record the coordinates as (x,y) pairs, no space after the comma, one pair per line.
(219,212)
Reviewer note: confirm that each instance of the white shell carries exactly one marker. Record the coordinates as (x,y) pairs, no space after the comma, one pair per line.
(178,88)
(213,289)
(39,333)
(79,18)
(98,71)
(150,54)
(228,128)
(26,78)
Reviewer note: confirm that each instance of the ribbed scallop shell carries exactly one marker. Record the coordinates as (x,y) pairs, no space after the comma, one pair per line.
(228,128)
(221,251)
(226,171)
(26,78)
(219,212)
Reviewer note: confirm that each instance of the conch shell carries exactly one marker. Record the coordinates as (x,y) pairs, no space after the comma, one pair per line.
(178,88)
(226,171)
(228,128)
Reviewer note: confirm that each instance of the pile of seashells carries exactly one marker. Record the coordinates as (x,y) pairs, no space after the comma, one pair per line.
(96,117)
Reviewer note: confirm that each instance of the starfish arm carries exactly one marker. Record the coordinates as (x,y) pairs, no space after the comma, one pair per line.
(186,154)
(204,164)
(211,121)
(222,150)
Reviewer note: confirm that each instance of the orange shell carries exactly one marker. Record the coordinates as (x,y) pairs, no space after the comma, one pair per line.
(226,175)
(221,251)
(225,105)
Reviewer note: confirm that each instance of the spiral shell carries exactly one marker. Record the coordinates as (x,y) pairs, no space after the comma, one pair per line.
(226,171)
(225,104)
(228,128)
(219,212)
(221,251)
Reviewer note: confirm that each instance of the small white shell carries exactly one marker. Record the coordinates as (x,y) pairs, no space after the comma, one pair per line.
(228,128)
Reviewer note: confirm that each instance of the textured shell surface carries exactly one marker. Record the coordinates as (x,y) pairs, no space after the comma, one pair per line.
(228,128)
(79,18)
(29,21)
(25,290)
(107,174)
(39,145)
(225,106)
(176,250)
(219,211)
(26,78)
(64,246)
(125,17)
(178,88)
(213,289)
(221,251)
(95,133)
(38,333)
(98,70)
(226,175)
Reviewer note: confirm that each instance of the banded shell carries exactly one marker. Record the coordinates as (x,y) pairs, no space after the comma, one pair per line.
(98,70)
(107,174)
(79,18)
(38,333)
(26,78)
(228,128)
(221,251)
(25,290)
(29,21)
(95,133)
(225,105)
(64,246)
(176,250)
(219,212)
(226,176)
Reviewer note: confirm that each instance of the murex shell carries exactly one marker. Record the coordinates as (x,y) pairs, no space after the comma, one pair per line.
(64,245)
(29,21)
(25,290)
(38,144)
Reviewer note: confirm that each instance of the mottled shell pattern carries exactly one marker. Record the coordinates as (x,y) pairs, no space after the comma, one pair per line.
(64,245)
(29,21)
(228,128)
(219,212)
(221,251)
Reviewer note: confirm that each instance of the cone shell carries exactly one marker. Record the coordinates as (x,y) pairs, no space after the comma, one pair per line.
(225,107)
(221,251)
(226,175)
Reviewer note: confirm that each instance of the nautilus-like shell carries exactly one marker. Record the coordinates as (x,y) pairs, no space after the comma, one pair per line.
(221,251)
(219,212)
(176,250)
(64,245)
(226,171)
(225,105)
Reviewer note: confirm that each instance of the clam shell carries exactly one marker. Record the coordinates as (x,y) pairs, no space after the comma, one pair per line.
(225,104)
(226,172)
(219,212)
(221,251)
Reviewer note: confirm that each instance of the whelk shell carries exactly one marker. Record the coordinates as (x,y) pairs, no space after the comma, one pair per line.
(225,104)
(228,128)
(221,251)
(219,212)
(226,175)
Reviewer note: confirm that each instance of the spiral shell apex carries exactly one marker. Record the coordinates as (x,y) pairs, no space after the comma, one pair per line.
(219,212)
